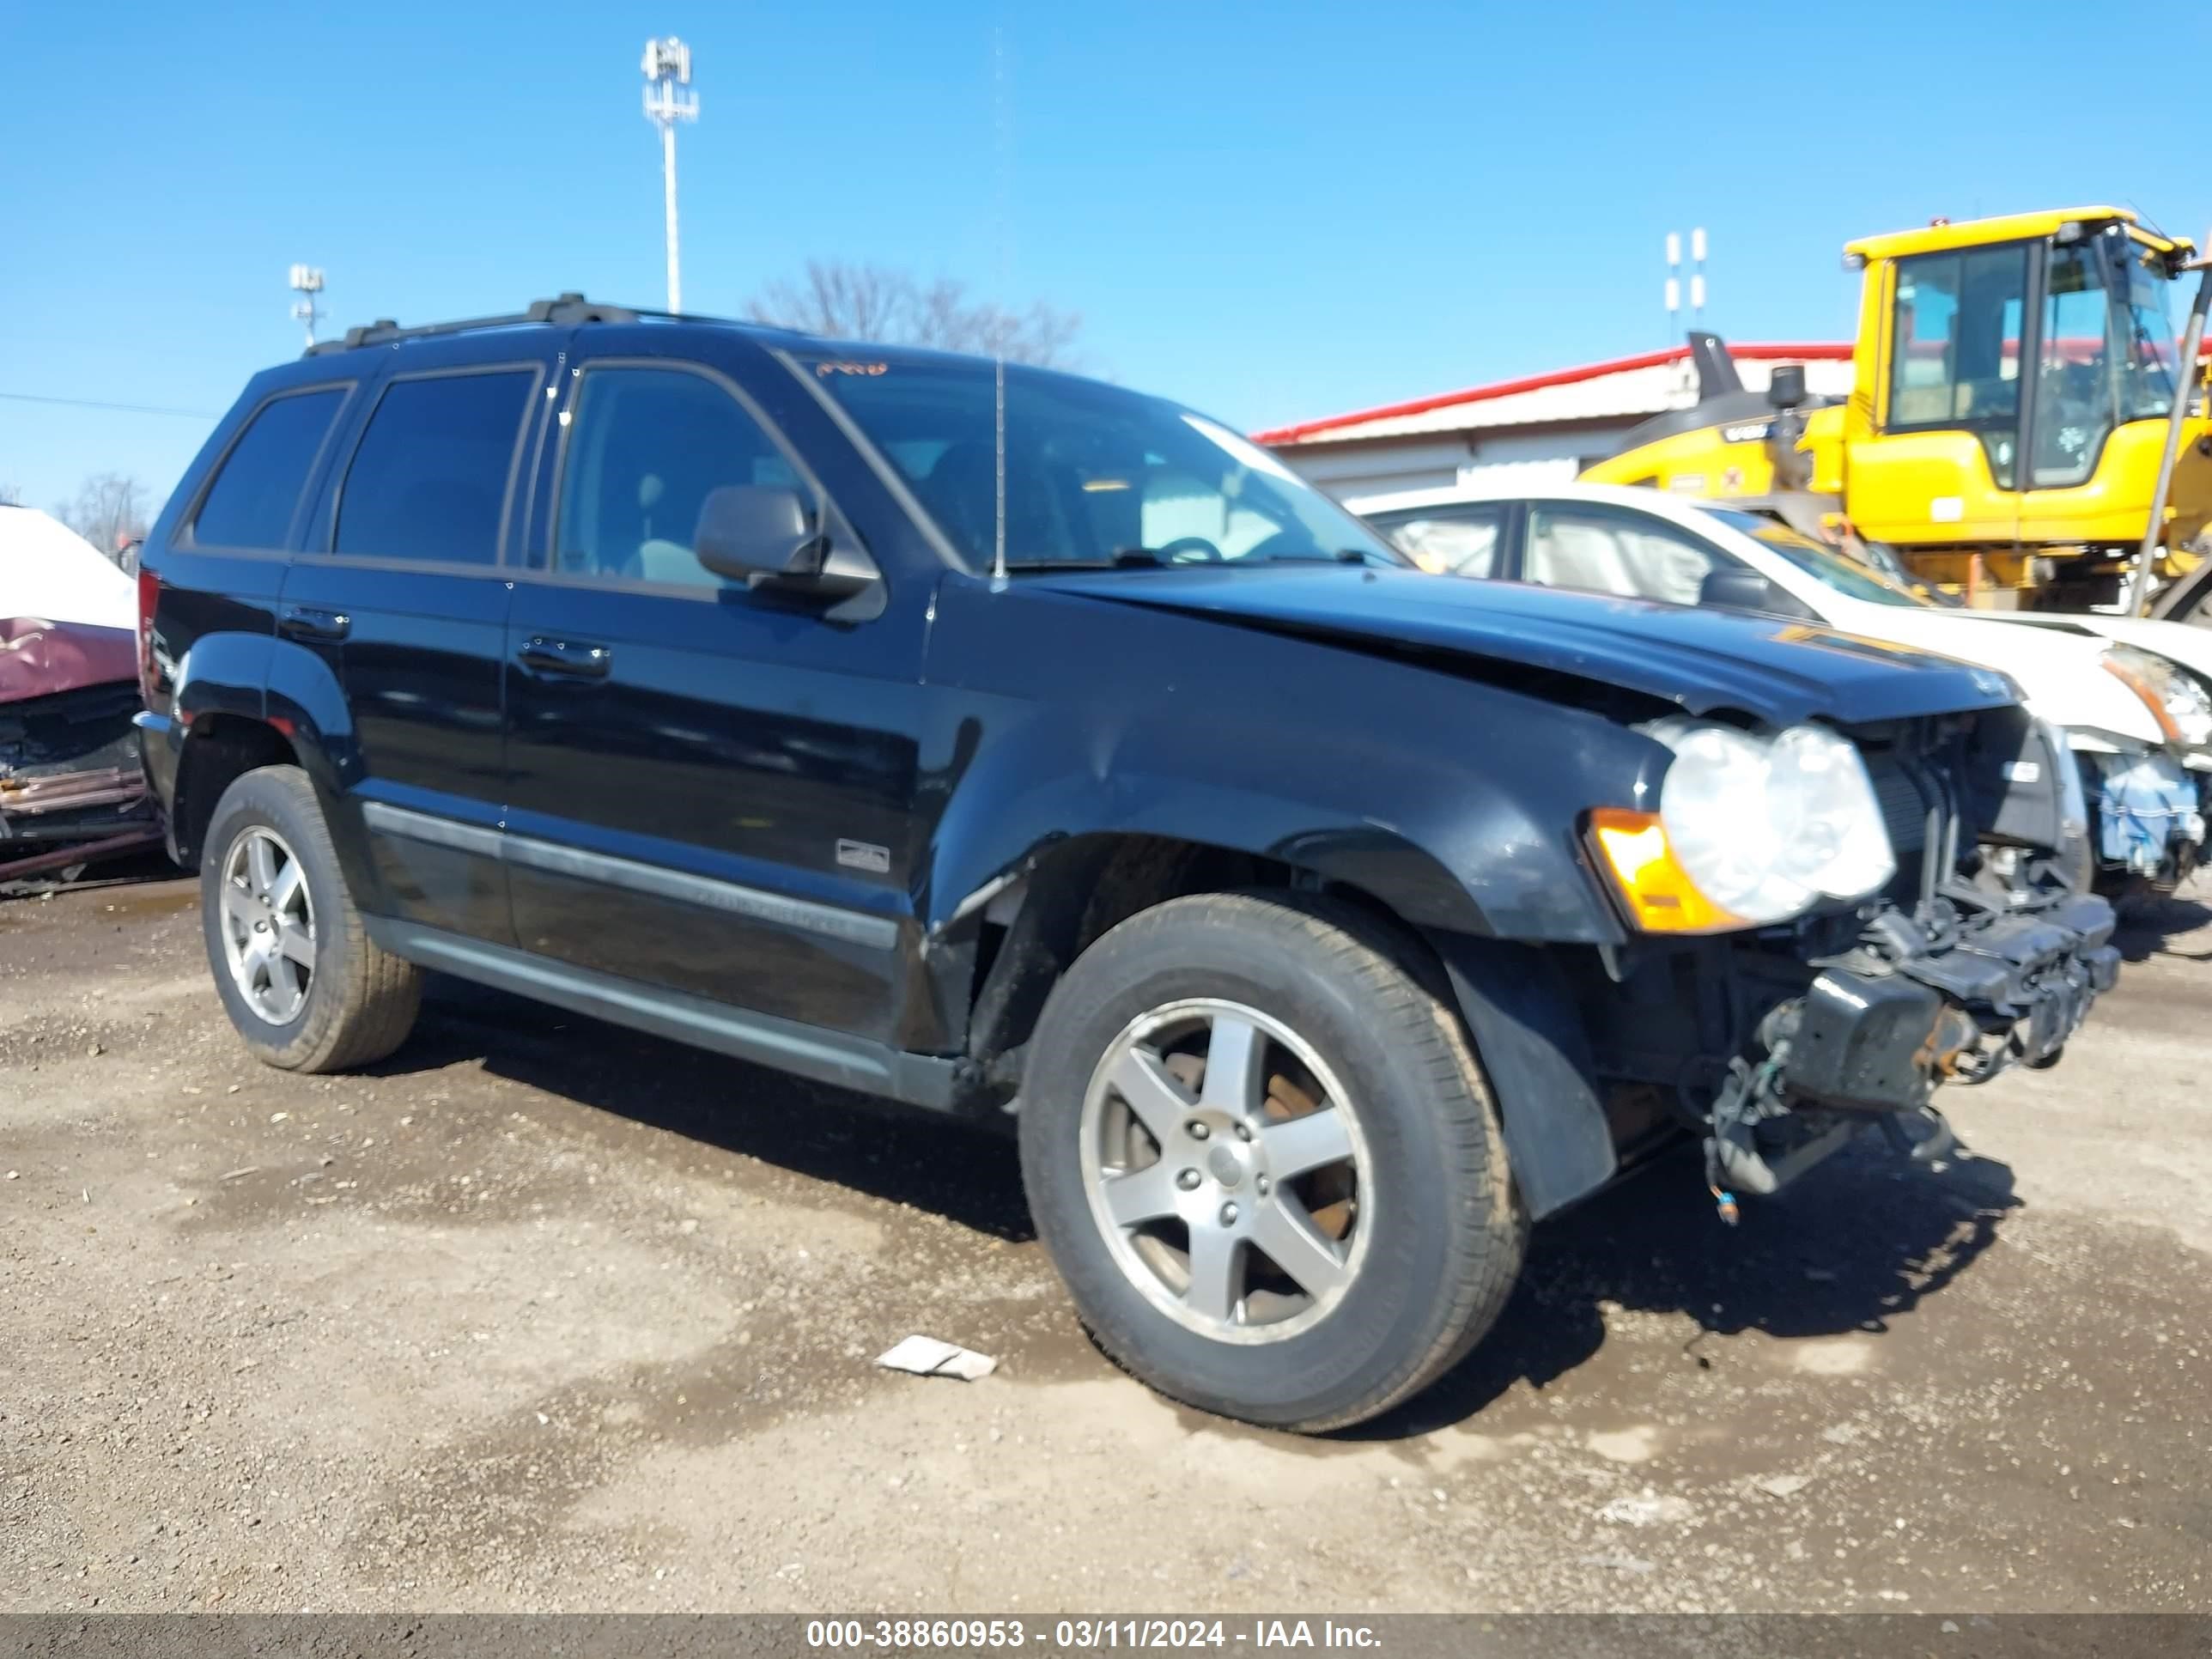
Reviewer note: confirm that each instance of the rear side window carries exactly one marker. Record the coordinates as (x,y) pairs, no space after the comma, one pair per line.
(258,486)
(430,479)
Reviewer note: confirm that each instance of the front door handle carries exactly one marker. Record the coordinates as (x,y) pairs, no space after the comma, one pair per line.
(576,659)
(306,622)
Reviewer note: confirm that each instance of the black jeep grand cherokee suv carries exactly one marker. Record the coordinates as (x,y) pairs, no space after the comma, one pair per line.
(1033,748)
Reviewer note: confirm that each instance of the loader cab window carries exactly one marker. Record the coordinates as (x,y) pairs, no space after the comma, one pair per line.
(1955,352)
(2073,369)
(2106,355)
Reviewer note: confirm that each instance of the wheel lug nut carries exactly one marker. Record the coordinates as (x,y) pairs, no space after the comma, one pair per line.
(1229,1215)
(1186,1180)
(1260,1186)
(1243,1131)
(1198,1130)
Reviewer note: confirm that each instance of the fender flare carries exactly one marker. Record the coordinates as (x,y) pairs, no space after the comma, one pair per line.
(295,693)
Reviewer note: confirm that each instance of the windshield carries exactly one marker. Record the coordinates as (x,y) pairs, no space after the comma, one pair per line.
(1095,474)
(1824,564)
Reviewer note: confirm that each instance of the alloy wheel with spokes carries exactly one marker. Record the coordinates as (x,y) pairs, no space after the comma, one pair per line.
(268,924)
(1227,1169)
(1264,1158)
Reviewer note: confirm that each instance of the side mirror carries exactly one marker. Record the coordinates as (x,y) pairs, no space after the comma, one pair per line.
(751,531)
(771,535)
(1735,587)
(1786,390)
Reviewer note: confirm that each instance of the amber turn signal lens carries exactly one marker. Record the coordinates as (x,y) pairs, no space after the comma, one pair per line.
(1657,891)
(2148,693)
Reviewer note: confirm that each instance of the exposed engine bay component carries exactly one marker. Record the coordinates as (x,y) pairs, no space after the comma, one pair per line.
(2149,819)
(1956,992)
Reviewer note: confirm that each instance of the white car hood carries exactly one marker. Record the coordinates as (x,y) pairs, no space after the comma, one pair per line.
(2176,641)
(49,571)
(2059,672)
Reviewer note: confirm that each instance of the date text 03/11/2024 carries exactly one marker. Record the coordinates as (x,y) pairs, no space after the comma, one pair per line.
(1080,1635)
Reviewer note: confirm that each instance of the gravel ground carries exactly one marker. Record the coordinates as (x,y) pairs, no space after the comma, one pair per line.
(545,1316)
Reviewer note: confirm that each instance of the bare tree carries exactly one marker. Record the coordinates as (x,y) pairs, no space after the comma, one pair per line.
(11,495)
(877,302)
(109,511)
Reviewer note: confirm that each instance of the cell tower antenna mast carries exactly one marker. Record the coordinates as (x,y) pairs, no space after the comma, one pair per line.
(668,99)
(306,282)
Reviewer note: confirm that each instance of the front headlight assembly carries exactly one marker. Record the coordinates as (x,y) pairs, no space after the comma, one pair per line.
(2176,700)
(1749,830)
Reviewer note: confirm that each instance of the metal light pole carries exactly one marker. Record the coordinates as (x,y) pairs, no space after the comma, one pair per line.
(306,282)
(669,99)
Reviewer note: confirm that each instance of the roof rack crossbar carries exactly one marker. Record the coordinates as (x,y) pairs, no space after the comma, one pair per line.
(563,308)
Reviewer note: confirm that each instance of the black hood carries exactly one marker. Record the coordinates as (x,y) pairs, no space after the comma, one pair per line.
(1702,660)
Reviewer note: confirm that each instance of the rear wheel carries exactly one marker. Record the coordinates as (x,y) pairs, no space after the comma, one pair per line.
(1264,1158)
(300,979)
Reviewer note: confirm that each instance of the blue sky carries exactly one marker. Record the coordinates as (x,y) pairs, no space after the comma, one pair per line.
(1272,211)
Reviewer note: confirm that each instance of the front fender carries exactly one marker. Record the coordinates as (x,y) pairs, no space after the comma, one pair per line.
(1456,804)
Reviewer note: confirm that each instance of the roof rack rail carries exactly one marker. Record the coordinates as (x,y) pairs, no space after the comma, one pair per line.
(563,308)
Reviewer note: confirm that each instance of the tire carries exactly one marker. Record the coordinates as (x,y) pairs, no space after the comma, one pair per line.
(1435,1233)
(354,1004)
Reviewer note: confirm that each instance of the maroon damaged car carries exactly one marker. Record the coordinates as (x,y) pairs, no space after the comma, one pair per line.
(72,790)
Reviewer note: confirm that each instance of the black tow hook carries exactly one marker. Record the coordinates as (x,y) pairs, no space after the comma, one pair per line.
(1929,1149)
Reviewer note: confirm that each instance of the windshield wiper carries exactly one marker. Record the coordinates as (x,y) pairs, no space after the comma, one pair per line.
(1151,558)
(1123,558)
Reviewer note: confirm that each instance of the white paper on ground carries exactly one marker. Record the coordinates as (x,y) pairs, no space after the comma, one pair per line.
(925,1356)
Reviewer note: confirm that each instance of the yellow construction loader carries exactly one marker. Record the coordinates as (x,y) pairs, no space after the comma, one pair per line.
(2013,432)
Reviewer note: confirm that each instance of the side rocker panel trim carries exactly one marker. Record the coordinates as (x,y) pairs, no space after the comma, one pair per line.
(807,1051)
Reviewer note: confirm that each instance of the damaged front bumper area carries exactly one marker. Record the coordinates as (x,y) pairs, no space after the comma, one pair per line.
(1957,992)
(72,790)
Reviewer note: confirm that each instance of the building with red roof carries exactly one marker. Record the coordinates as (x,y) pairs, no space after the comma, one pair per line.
(1539,429)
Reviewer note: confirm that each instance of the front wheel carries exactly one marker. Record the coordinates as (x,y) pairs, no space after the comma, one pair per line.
(1264,1161)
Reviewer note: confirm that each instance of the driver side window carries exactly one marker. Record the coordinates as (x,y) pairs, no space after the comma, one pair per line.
(646,446)
(1626,553)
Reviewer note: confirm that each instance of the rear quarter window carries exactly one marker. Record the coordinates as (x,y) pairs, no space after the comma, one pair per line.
(258,486)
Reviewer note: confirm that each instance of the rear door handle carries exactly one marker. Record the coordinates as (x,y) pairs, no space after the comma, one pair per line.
(304,621)
(576,659)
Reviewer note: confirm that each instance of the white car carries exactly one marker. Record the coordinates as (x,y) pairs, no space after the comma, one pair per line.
(2179,628)
(2137,719)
